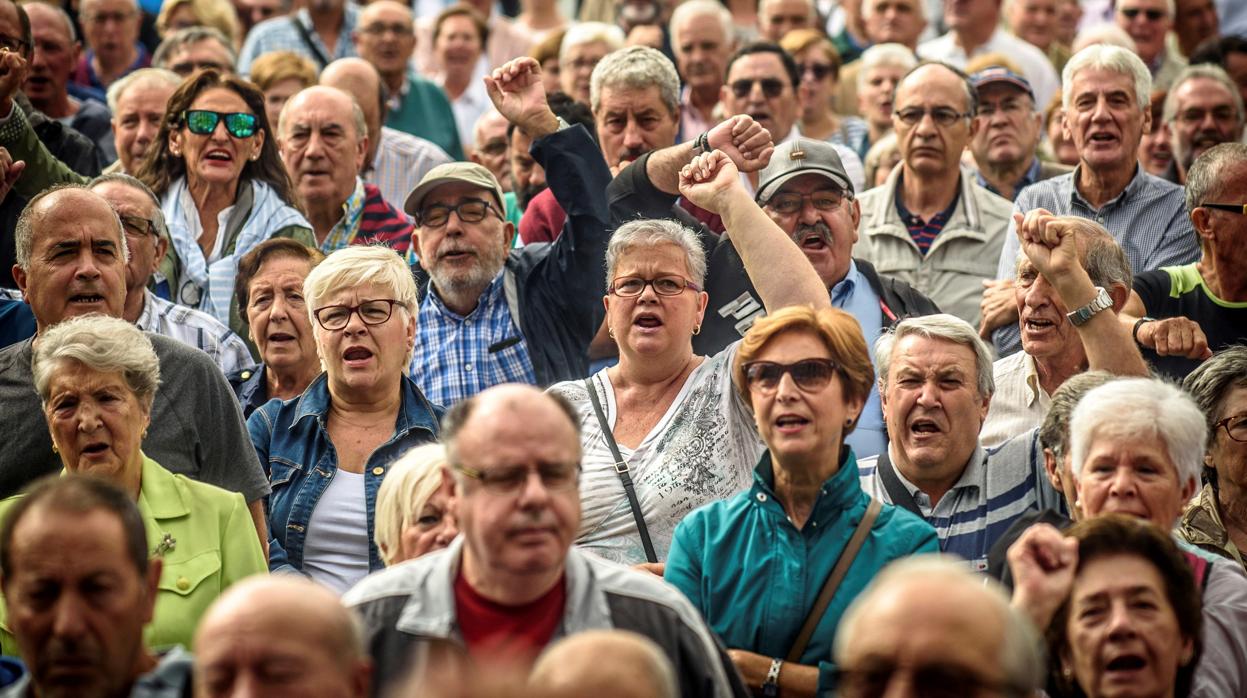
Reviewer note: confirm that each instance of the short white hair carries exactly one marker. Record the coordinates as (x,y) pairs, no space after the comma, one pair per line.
(408,486)
(940,326)
(868,8)
(1111,58)
(101,343)
(636,68)
(359,265)
(1131,408)
(893,55)
(652,232)
(699,8)
(142,77)
(589,32)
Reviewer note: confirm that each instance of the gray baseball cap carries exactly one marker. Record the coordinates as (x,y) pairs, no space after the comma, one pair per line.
(467,172)
(797,157)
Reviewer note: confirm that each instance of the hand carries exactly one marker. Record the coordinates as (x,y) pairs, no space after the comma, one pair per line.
(998,307)
(1175,336)
(9,172)
(13,71)
(1049,242)
(1043,562)
(655,568)
(752,667)
(744,141)
(517,94)
(709,180)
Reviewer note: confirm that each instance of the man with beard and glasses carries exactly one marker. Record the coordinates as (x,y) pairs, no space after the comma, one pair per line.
(495,315)
(541,218)
(1202,110)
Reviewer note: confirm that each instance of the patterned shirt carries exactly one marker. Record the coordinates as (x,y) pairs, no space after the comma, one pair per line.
(368,219)
(400,163)
(280,34)
(924,232)
(458,356)
(197,329)
(1019,402)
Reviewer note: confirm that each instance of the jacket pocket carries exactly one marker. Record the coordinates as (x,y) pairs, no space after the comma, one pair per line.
(185,576)
(280,472)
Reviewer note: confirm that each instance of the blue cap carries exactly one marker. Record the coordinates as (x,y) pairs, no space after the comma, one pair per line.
(998,74)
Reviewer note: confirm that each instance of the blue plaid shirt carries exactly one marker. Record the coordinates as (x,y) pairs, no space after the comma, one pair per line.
(457,357)
(279,34)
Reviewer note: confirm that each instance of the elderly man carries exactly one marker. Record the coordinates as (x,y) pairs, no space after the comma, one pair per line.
(930,223)
(489,150)
(1106,100)
(910,625)
(778,17)
(111,28)
(1009,127)
(385,37)
(54,55)
(584,46)
(394,161)
(1212,291)
(492,315)
(320,31)
(573,667)
(61,545)
(507,596)
(71,253)
(974,29)
(1035,21)
(1194,22)
(887,22)
(280,621)
(1148,23)
(323,140)
(1203,109)
(137,103)
(1229,52)
(195,48)
(702,38)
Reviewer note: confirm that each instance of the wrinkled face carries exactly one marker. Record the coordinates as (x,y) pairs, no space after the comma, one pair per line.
(932,405)
(207,54)
(218,158)
(576,66)
(631,123)
(799,424)
(96,422)
(928,148)
(1147,22)
(825,236)
(361,356)
(110,28)
(650,324)
(458,44)
(277,314)
(276,96)
(1227,456)
(1206,116)
(1008,126)
(76,604)
(814,91)
(136,122)
(322,148)
(758,85)
(137,210)
(1123,633)
(702,52)
(463,257)
(528,176)
(433,527)
(385,37)
(1132,475)
(1104,119)
(874,99)
(964,14)
(1155,154)
(778,17)
(1047,334)
(55,55)
(1034,21)
(895,21)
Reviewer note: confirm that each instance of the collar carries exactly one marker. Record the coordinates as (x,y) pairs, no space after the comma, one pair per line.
(839,492)
(845,287)
(414,411)
(1134,188)
(1029,177)
(491,292)
(972,476)
(159,494)
(144,321)
(344,231)
(1032,379)
(908,218)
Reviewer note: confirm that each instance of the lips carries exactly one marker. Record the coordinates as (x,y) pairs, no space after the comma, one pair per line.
(1039,324)
(789,423)
(94,448)
(923,426)
(647,321)
(280,337)
(357,354)
(86,298)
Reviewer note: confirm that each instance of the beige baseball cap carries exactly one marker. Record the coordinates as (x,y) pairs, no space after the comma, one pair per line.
(467,172)
(797,157)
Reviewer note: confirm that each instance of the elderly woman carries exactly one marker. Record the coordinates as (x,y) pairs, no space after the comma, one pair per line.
(1129,615)
(884,155)
(459,36)
(673,418)
(806,375)
(819,66)
(183,14)
(327,451)
(280,75)
(222,186)
(882,67)
(97,377)
(269,286)
(413,506)
(1217,520)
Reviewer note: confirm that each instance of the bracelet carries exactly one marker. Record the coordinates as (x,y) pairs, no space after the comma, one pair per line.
(702,143)
(770,687)
(1139,323)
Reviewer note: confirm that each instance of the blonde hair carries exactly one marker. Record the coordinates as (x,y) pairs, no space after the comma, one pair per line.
(412,480)
(277,66)
(361,265)
(217,14)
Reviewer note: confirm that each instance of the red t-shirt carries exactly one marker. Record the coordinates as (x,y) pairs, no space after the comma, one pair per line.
(508,634)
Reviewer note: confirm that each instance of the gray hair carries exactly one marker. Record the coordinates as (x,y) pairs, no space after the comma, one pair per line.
(101,343)
(70,30)
(1206,177)
(1129,408)
(142,76)
(1210,383)
(941,326)
(24,231)
(1206,71)
(158,216)
(1102,257)
(868,9)
(649,233)
(1054,431)
(590,32)
(360,265)
(700,8)
(636,68)
(1021,654)
(192,35)
(893,55)
(1113,58)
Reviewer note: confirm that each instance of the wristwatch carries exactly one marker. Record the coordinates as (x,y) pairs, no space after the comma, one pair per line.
(770,687)
(1101,302)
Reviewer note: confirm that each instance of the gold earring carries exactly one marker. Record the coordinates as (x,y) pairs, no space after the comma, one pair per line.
(610,331)
(55,449)
(696,330)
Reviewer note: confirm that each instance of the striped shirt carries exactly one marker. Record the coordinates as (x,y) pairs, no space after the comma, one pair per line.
(924,232)
(400,163)
(197,329)
(368,219)
(457,357)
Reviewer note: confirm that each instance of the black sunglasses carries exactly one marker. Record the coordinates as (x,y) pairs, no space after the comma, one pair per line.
(1240,209)
(771,87)
(202,123)
(810,375)
(1153,15)
(818,70)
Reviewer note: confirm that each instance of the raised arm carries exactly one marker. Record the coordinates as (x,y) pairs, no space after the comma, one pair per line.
(42,169)
(742,139)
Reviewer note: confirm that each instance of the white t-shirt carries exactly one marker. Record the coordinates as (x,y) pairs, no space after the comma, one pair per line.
(336,550)
(702,450)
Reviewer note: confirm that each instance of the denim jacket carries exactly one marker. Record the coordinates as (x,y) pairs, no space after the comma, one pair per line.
(292,441)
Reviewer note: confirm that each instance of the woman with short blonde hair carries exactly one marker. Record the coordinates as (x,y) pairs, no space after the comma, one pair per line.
(413,516)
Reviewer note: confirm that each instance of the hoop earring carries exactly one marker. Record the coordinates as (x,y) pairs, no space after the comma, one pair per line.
(610,331)
(696,330)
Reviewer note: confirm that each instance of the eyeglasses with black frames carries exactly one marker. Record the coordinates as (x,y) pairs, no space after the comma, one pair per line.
(942,116)
(633,286)
(371,312)
(468,210)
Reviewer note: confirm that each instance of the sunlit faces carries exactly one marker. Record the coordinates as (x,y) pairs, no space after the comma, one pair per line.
(217,159)
(814,91)
(754,74)
(462,258)
(778,17)
(825,236)
(874,98)
(576,66)
(362,356)
(1147,22)
(54,57)
(110,28)
(1104,119)
(1227,456)
(320,145)
(528,176)
(1046,332)
(929,148)
(277,315)
(1134,475)
(1008,126)
(1124,637)
(458,45)
(136,122)
(632,122)
(650,324)
(207,54)
(702,52)
(146,246)
(894,21)
(1034,21)
(1155,153)
(1206,115)
(384,36)
(960,14)
(276,96)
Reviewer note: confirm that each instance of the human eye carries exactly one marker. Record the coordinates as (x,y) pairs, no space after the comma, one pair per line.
(429,518)
(557,475)
(295,298)
(669,284)
(435,215)
(505,479)
(785,203)
(629,285)
(375,311)
(826,201)
(261,300)
(333,315)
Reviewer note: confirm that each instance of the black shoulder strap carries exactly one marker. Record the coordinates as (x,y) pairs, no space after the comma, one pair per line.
(318,54)
(621,467)
(897,491)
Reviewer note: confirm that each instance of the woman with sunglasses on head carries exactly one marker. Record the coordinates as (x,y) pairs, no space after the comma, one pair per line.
(755,564)
(327,451)
(818,63)
(222,186)
(673,417)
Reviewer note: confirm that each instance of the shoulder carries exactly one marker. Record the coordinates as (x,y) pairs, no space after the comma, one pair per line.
(994,208)
(1048,190)
(905,530)
(406,580)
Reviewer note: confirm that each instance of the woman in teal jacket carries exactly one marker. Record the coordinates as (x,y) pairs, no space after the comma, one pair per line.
(755,563)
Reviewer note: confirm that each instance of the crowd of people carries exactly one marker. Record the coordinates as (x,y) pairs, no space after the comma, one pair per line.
(641,348)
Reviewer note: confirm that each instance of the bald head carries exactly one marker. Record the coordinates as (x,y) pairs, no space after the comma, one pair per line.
(493,411)
(360,79)
(573,667)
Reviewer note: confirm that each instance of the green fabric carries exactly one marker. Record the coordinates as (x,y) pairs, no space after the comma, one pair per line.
(425,112)
(1186,278)
(513,216)
(43,170)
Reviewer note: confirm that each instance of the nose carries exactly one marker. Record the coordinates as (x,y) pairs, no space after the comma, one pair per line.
(1120,621)
(1101,112)
(929,394)
(1039,293)
(280,308)
(448,530)
(632,135)
(538,176)
(809,214)
(534,493)
(88,417)
(786,389)
(87,269)
(68,619)
(1123,484)
(355,324)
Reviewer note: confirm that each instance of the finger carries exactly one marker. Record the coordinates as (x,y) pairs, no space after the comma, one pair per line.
(14,171)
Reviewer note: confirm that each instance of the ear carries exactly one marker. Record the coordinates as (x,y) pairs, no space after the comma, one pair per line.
(1067,132)
(703,299)
(508,233)
(258,137)
(1189,489)
(855,212)
(19,277)
(974,127)
(415,241)
(1147,123)
(1120,293)
(1188,652)
(162,248)
(1201,218)
(175,142)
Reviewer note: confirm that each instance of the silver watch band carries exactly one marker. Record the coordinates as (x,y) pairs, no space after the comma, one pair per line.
(1101,302)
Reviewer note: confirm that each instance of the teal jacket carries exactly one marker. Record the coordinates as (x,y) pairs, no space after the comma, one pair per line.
(755,577)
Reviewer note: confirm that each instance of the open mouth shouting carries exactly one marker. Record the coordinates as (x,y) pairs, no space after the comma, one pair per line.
(790,423)
(647,322)
(357,356)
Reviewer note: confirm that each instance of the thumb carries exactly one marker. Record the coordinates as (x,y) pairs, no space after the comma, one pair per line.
(15,171)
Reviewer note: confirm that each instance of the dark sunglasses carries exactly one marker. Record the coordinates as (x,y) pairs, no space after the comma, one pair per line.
(203,123)
(818,70)
(771,87)
(1153,15)
(810,375)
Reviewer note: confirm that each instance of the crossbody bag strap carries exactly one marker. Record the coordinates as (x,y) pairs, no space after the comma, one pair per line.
(833,580)
(621,468)
(318,54)
(892,484)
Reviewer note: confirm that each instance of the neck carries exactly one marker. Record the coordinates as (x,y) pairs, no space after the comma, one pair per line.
(1233,508)
(107,71)
(1225,277)
(1005,176)
(136,298)
(704,98)
(505,587)
(652,374)
(933,482)
(456,83)
(377,403)
(464,301)
(1100,187)
(819,125)
(394,81)
(971,37)
(877,131)
(323,213)
(211,199)
(1055,370)
(327,19)
(799,480)
(60,106)
(927,198)
(287,382)
(542,16)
